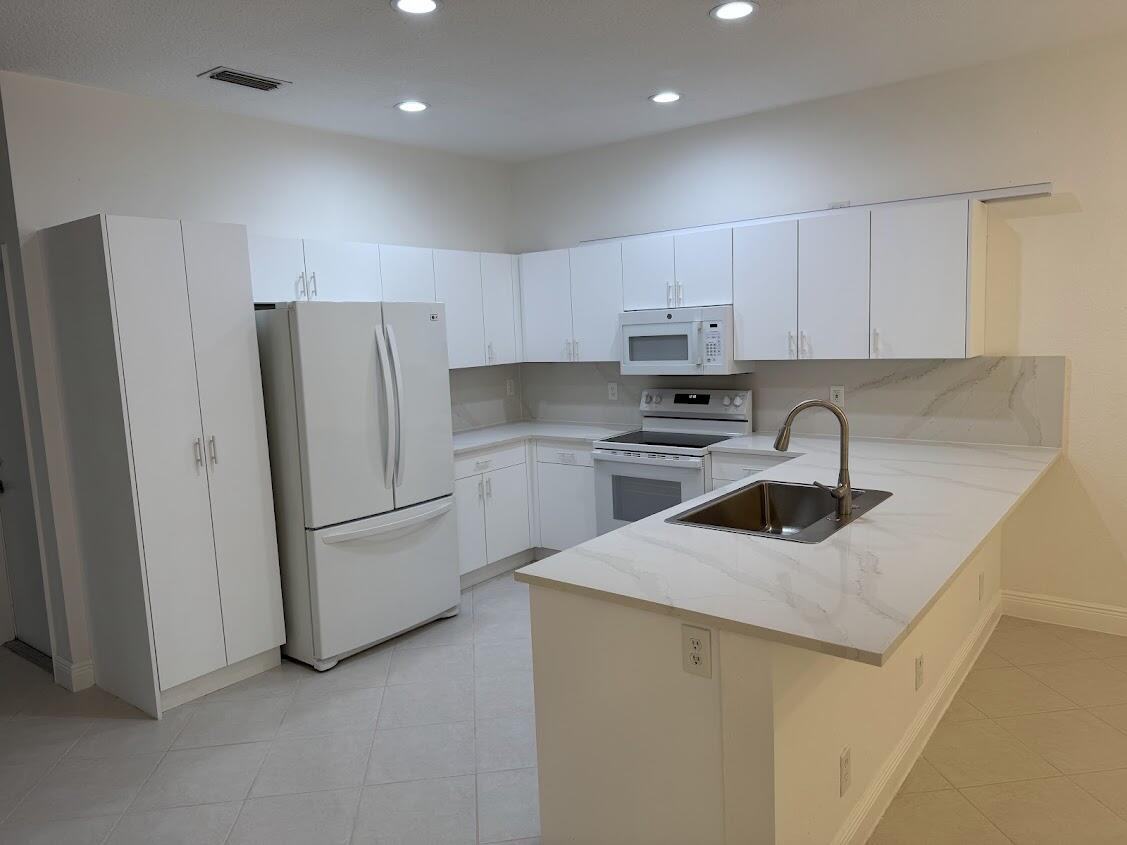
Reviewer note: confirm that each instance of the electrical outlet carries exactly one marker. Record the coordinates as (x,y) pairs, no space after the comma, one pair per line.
(510,387)
(696,650)
(919,671)
(845,771)
(981,585)
(837,394)
(612,390)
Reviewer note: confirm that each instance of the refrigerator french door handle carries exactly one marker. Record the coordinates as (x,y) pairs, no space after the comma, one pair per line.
(398,373)
(391,439)
(399,526)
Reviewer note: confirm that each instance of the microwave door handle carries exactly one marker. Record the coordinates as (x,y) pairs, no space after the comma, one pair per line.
(393,348)
(700,342)
(391,440)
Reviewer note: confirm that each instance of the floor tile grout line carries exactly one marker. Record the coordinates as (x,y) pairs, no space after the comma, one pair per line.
(46,773)
(1096,798)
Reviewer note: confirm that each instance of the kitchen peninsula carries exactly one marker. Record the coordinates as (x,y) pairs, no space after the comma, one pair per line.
(827,665)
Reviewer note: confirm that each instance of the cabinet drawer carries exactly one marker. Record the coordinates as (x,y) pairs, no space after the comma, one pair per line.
(549,453)
(735,467)
(476,463)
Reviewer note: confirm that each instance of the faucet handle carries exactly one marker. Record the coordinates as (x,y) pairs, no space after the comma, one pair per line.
(836,492)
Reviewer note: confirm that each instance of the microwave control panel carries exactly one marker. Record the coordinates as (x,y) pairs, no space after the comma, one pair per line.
(713,344)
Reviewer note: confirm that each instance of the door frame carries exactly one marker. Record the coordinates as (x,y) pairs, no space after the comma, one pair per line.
(7,609)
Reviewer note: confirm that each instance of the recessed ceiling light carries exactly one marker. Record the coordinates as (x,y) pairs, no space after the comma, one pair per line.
(415,7)
(412,106)
(733,11)
(664,97)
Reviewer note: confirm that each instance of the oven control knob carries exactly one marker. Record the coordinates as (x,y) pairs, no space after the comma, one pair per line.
(727,400)
(647,398)
(739,400)
(657,399)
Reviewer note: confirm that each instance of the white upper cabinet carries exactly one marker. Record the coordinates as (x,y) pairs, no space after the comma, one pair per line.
(703,268)
(596,301)
(408,273)
(457,282)
(648,270)
(924,280)
(277,267)
(765,291)
(342,271)
(545,282)
(499,297)
(833,285)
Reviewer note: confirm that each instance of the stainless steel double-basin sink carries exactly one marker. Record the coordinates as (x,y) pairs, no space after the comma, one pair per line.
(801,513)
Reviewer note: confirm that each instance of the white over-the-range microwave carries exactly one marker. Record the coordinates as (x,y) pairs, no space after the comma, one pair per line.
(679,342)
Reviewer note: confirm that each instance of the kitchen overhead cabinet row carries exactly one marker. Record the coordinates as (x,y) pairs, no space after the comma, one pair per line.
(479,288)
(905,280)
(161,388)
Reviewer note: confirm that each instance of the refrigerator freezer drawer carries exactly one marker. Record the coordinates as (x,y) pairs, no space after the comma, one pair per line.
(374,578)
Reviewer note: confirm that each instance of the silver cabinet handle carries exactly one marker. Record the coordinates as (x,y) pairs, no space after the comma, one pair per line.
(313,284)
(803,345)
(567,350)
(791,350)
(668,294)
(480,491)
(197,447)
(575,350)
(876,342)
(212,451)
(301,290)
(678,293)
(489,487)
(489,352)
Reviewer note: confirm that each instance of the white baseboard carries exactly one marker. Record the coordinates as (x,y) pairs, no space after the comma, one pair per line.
(73,676)
(220,678)
(500,567)
(861,823)
(1108,618)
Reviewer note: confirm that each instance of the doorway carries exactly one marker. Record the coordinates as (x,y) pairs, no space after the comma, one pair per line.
(23,605)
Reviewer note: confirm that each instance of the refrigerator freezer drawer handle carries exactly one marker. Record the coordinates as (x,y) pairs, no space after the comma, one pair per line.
(389,400)
(393,347)
(399,526)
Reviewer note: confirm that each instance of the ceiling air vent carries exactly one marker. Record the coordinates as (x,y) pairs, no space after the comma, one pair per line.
(246,80)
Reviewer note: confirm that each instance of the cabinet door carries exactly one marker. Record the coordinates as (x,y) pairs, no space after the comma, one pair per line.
(765,291)
(647,273)
(567,505)
(833,286)
(469,501)
(277,269)
(457,282)
(165,432)
(703,272)
(919,280)
(545,284)
(499,297)
(506,512)
(343,272)
(596,301)
(408,273)
(234,424)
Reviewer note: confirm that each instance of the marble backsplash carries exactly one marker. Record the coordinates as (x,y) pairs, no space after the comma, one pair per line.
(983,400)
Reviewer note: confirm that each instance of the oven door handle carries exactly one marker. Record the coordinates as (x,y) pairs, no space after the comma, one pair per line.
(680,463)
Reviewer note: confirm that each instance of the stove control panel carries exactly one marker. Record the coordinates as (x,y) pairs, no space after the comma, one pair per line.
(688,402)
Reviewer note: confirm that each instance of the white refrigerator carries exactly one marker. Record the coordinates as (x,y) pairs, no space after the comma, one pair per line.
(361,453)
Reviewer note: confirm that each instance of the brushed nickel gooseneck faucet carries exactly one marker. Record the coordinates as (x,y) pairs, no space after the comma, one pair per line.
(843,492)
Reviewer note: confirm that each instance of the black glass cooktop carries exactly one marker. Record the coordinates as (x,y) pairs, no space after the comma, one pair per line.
(668,438)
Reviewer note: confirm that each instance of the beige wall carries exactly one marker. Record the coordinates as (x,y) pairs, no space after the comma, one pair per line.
(1060,116)
(76,151)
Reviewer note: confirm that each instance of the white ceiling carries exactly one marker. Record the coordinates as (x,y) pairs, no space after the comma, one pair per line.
(519,79)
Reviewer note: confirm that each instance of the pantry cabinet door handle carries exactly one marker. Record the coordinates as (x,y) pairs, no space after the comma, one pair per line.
(212,451)
(313,284)
(489,487)
(197,447)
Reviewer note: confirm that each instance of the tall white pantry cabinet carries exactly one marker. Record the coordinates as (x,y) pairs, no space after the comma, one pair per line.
(163,413)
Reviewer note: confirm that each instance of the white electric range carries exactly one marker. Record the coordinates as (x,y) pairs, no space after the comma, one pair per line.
(666,462)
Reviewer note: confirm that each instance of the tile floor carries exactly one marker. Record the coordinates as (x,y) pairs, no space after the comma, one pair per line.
(1032,751)
(425,740)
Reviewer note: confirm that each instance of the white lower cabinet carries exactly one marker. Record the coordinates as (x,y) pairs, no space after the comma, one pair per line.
(567,504)
(493,509)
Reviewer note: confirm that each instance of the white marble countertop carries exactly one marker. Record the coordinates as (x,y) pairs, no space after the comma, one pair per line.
(500,435)
(856,594)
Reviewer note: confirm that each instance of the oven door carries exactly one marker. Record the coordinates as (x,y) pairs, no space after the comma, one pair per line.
(629,487)
(650,349)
